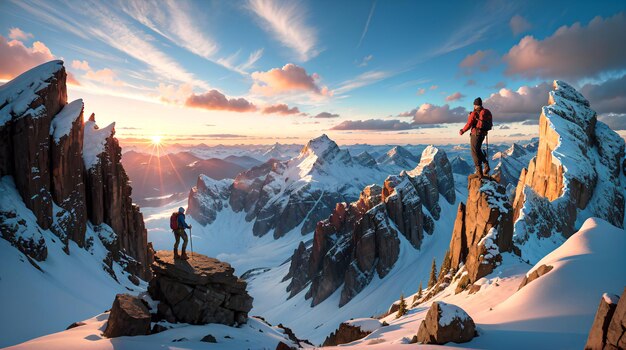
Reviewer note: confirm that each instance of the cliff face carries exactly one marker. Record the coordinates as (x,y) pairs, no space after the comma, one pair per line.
(65,175)
(575,174)
(483,228)
(361,239)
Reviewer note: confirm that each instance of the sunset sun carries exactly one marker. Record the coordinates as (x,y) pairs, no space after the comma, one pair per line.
(156,140)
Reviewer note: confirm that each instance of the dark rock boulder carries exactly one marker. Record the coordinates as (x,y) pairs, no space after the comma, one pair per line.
(298,270)
(446,323)
(198,291)
(129,316)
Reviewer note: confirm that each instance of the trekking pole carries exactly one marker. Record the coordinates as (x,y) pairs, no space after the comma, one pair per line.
(191,241)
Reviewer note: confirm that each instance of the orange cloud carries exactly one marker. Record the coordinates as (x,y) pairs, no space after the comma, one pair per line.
(480,60)
(18,34)
(16,58)
(215,100)
(290,78)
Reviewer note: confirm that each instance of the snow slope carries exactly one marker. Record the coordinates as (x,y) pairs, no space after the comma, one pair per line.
(64,289)
(256,334)
(554,311)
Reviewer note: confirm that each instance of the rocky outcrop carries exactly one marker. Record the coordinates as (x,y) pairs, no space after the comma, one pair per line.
(352,330)
(198,291)
(616,334)
(483,228)
(208,198)
(538,272)
(28,104)
(361,239)
(597,339)
(109,200)
(67,172)
(446,323)
(129,316)
(68,186)
(575,174)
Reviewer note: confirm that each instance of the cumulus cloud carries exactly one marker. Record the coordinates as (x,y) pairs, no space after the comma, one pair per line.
(18,34)
(215,100)
(478,61)
(16,58)
(572,52)
(289,78)
(280,108)
(105,76)
(521,104)
(434,87)
(615,121)
(81,65)
(454,97)
(420,91)
(170,93)
(607,97)
(373,124)
(286,21)
(519,25)
(326,115)
(431,114)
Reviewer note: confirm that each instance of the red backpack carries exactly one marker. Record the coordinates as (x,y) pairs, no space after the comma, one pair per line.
(174,221)
(484,121)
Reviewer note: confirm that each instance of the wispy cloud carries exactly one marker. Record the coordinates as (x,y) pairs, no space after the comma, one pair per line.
(367,23)
(110,28)
(175,20)
(362,80)
(286,21)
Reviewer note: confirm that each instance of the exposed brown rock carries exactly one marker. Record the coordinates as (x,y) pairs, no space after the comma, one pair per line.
(435,330)
(538,272)
(345,334)
(68,187)
(483,228)
(576,153)
(616,334)
(198,291)
(129,316)
(600,327)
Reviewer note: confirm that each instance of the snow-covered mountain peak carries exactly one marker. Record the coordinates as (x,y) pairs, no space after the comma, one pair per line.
(94,141)
(320,146)
(399,156)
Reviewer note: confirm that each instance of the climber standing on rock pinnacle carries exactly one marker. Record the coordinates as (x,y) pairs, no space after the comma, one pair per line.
(480,121)
(178,225)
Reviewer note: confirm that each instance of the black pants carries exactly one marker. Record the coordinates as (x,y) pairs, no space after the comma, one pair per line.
(476,142)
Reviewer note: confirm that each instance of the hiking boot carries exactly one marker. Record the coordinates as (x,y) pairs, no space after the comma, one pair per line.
(487,169)
(184,256)
(176,256)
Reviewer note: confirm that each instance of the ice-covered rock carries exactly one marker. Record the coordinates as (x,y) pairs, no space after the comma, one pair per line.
(208,198)
(281,195)
(575,175)
(400,157)
(360,239)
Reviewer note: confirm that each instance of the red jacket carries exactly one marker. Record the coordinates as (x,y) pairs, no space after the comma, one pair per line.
(472,119)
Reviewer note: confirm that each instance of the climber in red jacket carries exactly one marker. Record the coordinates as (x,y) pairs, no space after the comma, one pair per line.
(480,121)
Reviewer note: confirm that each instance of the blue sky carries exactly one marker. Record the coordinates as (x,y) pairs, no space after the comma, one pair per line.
(140,62)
